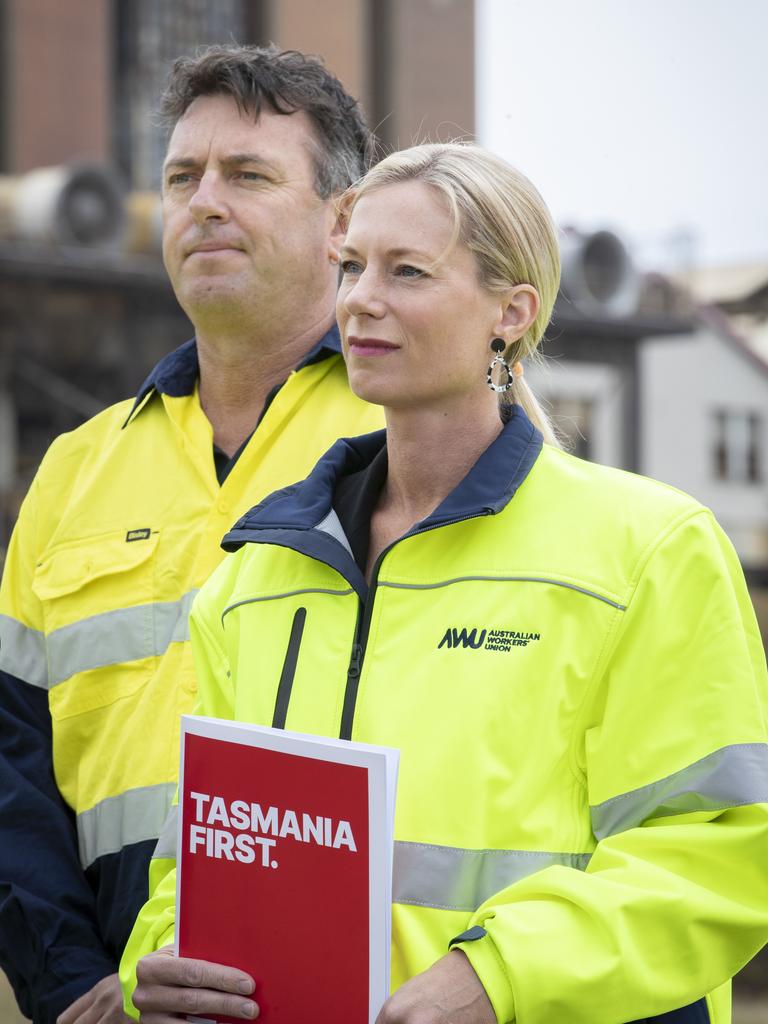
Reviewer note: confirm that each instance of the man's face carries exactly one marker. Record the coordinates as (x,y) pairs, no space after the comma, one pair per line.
(243,227)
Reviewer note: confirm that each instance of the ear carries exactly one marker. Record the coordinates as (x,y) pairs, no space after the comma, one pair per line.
(520,308)
(337,235)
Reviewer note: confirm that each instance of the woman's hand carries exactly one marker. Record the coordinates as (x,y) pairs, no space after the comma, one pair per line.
(169,985)
(103,1004)
(448,993)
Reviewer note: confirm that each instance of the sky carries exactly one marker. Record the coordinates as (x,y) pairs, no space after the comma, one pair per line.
(649,117)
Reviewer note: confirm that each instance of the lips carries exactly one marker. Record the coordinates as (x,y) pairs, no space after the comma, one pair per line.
(213,247)
(370,346)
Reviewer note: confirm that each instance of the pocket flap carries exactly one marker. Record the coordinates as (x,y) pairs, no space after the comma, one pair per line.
(68,568)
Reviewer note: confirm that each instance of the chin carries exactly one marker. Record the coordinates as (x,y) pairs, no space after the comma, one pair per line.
(207,293)
(376,392)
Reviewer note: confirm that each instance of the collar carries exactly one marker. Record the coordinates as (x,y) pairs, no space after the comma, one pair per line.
(302,517)
(176,374)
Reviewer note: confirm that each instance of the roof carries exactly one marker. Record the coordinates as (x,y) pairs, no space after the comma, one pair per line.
(738,287)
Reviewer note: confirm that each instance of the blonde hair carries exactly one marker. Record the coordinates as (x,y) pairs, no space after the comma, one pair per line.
(501,218)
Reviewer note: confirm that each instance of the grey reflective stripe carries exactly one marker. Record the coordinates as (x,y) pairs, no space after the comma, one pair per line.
(452,878)
(332,526)
(117,821)
(125,634)
(166,843)
(22,652)
(504,579)
(440,877)
(287,593)
(730,777)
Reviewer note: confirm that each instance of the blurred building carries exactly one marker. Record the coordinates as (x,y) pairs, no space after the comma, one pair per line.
(706,410)
(85,308)
(590,380)
(706,428)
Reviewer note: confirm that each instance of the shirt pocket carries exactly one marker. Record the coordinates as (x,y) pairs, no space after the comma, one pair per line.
(98,600)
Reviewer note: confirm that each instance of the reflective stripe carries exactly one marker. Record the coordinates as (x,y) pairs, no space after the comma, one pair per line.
(287,593)
(22,652)
(504,579)
(110,638)
(440,877)
(332,526)
(452,878)
(730,777)
(166,843)
(120,820)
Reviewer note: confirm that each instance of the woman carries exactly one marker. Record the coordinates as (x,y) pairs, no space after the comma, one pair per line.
(564,654)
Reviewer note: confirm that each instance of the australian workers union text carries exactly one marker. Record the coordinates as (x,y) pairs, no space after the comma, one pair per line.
(235,830)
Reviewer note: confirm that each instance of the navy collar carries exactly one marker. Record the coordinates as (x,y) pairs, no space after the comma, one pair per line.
(176,374)
(296,511)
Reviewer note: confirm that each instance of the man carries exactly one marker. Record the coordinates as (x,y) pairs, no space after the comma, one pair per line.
(124,519)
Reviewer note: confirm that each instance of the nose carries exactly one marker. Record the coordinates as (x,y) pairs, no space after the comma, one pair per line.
(360,295)
(208,200)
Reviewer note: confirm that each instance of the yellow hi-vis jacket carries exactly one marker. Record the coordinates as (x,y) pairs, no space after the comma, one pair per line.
(568,661)
(122,525)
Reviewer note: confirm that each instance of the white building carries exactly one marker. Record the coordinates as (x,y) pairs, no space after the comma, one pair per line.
(704,428)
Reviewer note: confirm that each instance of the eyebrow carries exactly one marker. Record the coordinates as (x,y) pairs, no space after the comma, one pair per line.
(234,159)
(397,252)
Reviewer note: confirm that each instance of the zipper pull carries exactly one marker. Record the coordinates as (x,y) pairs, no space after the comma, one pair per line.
(354,664)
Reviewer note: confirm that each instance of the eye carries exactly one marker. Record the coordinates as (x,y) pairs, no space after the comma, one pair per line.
(251,176)
(350,267)
(179,178)
(407,270)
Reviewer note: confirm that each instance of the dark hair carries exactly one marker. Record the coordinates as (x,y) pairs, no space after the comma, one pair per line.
(286,81)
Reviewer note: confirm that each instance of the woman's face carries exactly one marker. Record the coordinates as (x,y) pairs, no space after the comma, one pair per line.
(415,322)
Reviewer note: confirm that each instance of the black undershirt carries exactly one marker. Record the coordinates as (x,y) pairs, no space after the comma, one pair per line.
(354,500)
(223,463)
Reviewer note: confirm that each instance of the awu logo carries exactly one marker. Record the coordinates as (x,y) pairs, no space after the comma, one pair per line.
(462,638)
(490,639)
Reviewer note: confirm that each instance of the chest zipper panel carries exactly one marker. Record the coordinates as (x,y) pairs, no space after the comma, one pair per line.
(363,625)
(289,669)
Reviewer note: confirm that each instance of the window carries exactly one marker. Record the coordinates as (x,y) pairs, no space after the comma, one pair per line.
(736,452)
(149,36)
(572,418)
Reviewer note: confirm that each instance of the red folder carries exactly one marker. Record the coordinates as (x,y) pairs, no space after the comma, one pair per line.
(285,867)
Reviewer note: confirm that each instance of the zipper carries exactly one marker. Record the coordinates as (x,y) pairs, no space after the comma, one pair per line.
(285,685)
(363,625)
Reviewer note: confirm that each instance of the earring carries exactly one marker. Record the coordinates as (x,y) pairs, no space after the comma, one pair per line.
(498,345)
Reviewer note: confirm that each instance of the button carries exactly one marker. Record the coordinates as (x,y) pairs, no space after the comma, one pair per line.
(223,507)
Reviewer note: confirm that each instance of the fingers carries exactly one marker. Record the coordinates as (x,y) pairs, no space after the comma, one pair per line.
(197,1002)
(103,1004)
(163,968)
(170,985)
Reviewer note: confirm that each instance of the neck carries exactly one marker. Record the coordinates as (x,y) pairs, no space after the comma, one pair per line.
(431,450)
(239,367)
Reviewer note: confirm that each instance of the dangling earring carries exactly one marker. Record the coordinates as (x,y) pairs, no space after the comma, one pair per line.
(498,345)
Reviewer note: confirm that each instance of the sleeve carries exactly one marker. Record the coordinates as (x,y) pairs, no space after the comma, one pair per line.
(50,946)
(156,923)
(673,752)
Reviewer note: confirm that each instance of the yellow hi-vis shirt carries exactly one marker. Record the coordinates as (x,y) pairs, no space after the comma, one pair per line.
(567,659)
(121,527)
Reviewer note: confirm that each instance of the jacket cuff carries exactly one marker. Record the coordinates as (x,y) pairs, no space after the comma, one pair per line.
(48,1006)
(168,937)
(480,950)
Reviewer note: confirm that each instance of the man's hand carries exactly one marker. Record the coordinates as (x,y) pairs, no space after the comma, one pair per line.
(102,1005)
(170,985)
(448,993)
